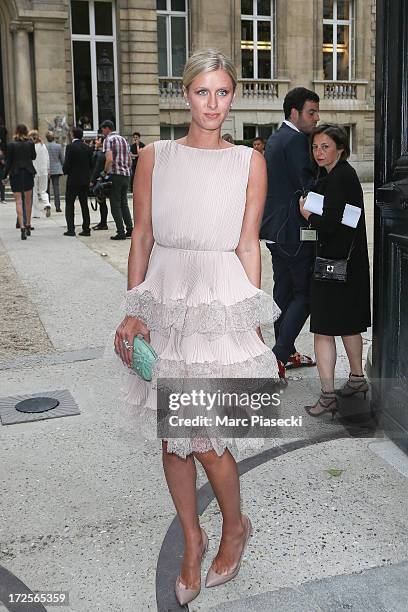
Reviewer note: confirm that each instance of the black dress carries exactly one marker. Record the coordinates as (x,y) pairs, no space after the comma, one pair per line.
(341,309)
(19,165)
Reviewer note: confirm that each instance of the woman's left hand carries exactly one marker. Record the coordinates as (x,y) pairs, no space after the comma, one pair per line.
(305,213)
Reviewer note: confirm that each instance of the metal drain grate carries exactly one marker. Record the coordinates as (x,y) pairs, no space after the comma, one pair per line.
(10,416)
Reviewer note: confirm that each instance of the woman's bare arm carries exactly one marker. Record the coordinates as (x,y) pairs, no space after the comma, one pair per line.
(140,250)
(142,235)
(248,249)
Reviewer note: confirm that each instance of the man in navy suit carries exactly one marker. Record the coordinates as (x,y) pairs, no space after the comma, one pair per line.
(290,174)
(77,165)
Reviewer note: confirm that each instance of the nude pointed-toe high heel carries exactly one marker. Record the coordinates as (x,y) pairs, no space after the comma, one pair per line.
(213,579)
(183,594)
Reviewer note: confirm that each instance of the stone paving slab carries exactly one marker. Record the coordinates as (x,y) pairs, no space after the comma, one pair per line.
(382,589)
(309,525)
(76,295)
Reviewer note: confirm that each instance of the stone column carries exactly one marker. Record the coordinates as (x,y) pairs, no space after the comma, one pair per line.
(22,74)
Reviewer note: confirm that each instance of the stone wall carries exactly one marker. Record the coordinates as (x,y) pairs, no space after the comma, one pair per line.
(138,74)
(211,24)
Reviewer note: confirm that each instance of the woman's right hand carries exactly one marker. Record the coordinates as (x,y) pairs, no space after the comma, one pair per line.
(125,335)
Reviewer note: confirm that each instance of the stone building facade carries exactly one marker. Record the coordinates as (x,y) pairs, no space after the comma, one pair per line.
(94,59)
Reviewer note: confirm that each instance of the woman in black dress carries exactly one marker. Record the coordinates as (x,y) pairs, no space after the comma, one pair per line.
(20,168)
(338,308)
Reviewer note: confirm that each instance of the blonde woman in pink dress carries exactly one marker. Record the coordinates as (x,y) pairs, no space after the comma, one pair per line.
(193,293)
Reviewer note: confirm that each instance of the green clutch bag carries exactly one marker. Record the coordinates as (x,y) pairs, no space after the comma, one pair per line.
(144,357)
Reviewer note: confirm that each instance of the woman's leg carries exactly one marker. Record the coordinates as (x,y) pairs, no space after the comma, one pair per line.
(223,475)
(28,201)
(354,349)
(325,351)
(181,477)
(19,208)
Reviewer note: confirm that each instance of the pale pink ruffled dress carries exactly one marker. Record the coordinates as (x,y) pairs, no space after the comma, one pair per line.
(196,300)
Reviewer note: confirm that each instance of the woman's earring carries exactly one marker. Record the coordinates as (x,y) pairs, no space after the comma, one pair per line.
(187,103)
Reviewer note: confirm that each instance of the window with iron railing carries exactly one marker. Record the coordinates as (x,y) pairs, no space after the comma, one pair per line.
(257,38)
(338,54)
(172,35)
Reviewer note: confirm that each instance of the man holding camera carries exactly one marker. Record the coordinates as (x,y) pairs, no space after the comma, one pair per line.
(118,163)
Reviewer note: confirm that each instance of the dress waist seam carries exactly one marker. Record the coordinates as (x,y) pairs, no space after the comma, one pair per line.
(164,246)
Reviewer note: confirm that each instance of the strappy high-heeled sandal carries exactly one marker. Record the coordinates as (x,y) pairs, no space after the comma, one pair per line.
(327,403)
(356,383)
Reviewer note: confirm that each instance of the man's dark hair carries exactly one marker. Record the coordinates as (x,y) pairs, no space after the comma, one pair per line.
(108,124)
(258,139)
(297,98)
(77,132)
(335,132)
(136,134)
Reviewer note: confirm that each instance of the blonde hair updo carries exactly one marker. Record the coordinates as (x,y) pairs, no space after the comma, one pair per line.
(207,61)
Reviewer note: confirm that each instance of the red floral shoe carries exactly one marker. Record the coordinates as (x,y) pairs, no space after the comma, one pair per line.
(281,370)
(297,360)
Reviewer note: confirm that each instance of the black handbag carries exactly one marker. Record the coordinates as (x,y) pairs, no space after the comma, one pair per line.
(332,269)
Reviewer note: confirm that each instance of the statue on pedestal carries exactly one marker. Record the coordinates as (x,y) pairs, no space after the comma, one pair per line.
(60,129)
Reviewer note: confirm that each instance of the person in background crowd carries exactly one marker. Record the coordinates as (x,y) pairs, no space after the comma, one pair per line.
(134,150)
(56,155)
(338,308)
(259,145)
(228,138)
(77,165)
(85,123)
(290,173)
(2,175)
(98,162)
(20,168)
(118,163)
(42,169)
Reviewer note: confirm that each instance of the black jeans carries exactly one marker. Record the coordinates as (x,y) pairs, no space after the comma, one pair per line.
(2,191)
(119,203)
(292,282)
(103,209)
(71,194)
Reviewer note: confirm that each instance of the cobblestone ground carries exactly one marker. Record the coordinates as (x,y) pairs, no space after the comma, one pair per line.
(21,330)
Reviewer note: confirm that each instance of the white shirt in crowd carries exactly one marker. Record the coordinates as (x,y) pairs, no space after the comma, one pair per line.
(42,161)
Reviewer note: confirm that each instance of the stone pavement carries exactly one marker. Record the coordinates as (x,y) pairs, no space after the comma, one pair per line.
(84,506)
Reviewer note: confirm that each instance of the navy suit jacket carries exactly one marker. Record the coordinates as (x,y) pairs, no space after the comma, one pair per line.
(290,173)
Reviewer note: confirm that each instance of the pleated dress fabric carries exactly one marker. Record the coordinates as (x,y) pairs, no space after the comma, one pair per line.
(197,301)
